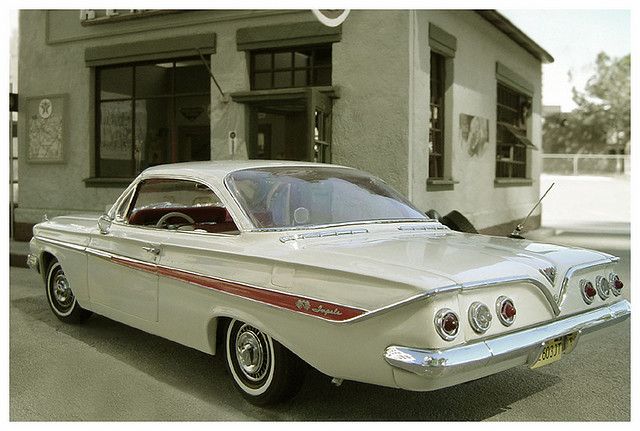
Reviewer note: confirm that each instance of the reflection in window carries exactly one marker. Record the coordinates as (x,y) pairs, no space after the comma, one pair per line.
(298,67)
(149,114)
(511,150)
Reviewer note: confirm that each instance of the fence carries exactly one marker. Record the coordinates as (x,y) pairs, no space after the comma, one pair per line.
(586,164)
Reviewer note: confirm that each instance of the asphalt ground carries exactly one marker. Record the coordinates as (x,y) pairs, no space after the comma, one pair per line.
(103,370)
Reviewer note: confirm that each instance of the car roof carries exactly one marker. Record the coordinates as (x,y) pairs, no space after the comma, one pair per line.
(220,168)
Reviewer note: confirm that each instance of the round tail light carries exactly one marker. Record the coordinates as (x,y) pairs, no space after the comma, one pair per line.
(603,287)
(615,283)
(447,324)
(588,291)
(479,317)
(505,310)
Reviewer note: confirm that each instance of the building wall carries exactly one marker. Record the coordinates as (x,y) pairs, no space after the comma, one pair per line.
(480,46)
(380,120)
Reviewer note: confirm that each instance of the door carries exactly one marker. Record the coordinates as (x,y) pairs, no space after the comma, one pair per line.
(319,125)
(122,270)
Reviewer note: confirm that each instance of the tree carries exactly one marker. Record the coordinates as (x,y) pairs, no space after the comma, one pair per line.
(601,123)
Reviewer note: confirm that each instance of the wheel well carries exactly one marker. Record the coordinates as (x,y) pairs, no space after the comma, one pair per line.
(46,260)
(220,324)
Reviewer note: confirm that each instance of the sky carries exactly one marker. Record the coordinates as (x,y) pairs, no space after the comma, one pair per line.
(573,38)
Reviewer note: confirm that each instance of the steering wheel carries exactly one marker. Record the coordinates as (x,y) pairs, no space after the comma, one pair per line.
(167,216)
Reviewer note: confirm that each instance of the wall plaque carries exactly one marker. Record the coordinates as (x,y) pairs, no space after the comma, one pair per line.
(46,128)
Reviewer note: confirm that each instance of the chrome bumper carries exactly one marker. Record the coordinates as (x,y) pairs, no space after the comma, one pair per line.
(487,353)
(33,262)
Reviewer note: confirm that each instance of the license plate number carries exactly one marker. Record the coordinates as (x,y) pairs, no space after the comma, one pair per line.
(552,352)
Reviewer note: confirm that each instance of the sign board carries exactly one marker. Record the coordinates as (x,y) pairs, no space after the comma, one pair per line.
(331,17)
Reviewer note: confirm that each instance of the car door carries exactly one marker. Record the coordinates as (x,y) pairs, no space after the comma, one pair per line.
(122,263)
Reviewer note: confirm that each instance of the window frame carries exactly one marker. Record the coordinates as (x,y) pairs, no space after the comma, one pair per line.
(434,157)
(516,165)
(310,69)
(172,97)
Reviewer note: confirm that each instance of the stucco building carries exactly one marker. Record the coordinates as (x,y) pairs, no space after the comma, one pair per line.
(443,105)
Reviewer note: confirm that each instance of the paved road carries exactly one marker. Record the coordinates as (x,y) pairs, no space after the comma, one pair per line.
(103,370)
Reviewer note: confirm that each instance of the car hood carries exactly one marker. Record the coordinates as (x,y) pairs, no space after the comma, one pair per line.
(432,259)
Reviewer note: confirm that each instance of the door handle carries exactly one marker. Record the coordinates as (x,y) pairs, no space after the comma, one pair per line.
(152,250)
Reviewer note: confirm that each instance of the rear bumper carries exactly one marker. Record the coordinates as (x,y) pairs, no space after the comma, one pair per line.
(446,367)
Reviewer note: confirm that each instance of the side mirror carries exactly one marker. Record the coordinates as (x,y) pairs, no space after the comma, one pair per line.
(104,224)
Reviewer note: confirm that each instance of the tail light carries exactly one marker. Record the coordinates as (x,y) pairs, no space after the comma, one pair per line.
(615,283)
(447,324)
(603,287)
(479,317)
(505,310)
(588,291)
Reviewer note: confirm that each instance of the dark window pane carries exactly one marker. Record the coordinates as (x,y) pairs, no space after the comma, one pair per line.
(322,76)
(301,59)
(192,77)
(154,79)
(154,118)
(193,131)
(262,61)
(262,81)
(116,83)
(282,79)
(301,78)
(115,139)
(322,57)
(282,60)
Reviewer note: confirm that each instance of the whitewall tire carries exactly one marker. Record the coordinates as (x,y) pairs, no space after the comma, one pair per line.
(263,370)
(60,296)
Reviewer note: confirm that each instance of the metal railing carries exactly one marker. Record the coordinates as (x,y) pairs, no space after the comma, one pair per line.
(586,164)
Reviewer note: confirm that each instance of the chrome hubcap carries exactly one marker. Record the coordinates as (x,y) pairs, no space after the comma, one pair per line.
(251,353)
(61,290)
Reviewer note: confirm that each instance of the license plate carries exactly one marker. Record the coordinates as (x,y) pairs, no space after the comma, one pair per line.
(553,351)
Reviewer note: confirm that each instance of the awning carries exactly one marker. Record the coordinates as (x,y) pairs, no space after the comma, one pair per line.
(517,133)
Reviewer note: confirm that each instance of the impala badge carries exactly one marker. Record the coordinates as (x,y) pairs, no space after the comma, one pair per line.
(303,304)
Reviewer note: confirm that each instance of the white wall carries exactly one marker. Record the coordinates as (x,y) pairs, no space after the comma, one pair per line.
(479,46)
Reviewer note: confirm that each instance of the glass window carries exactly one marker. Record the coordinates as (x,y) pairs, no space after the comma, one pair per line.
(179,205)
(298,67)
(149,114)
(436,122)
(288,197)
(512,117)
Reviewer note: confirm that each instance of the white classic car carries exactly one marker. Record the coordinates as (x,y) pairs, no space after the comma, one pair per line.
(282,264)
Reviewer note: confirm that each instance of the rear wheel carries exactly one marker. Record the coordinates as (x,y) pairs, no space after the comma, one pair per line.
(61,299)
(263,370)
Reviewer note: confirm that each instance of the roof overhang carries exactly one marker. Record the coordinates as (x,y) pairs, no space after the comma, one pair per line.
(514,33)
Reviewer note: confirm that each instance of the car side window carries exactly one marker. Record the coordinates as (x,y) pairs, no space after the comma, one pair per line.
(179,205)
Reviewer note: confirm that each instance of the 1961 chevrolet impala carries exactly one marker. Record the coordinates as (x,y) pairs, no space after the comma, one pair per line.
(278,264)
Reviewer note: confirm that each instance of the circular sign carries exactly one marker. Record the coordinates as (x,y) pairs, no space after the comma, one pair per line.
(331,17)
(44,108)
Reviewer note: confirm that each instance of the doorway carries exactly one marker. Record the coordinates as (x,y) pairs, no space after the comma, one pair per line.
(290,127)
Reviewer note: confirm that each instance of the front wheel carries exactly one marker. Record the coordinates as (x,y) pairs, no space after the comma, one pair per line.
(61,299)
(263,370)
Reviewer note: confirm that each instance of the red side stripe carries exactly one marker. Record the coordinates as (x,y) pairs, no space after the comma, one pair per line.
(325,310)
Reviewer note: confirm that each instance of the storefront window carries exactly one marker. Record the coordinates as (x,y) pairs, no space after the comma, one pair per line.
(149,114)
(298,67)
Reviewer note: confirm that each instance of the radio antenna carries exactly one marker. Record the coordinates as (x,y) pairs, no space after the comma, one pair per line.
(518,230)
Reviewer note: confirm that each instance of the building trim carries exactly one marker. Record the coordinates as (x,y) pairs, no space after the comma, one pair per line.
(286,35)
(442,42)
(511,79)
(156,49)
(500,22)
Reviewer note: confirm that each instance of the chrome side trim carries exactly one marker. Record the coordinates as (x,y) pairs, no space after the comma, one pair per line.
(578,268)
(62,243)
(340,232)
(522,345)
